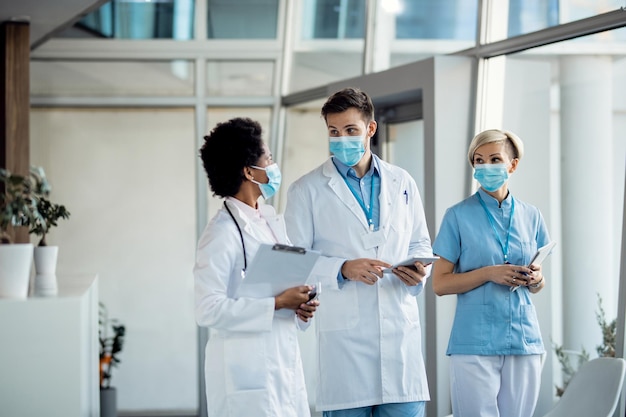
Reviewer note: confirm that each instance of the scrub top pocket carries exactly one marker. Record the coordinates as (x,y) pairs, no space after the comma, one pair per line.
(530,325)
(472,325)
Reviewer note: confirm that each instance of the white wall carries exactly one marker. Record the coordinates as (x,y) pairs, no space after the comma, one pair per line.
(127,177)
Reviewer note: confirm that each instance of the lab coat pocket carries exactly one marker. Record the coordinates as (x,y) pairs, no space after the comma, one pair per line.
(245,362)
(249,403)
(530,325)
(472,324)
(339,309)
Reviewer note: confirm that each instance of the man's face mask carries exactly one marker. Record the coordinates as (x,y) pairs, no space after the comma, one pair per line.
(347,149)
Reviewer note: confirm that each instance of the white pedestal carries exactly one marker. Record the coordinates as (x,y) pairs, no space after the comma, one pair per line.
(49,352)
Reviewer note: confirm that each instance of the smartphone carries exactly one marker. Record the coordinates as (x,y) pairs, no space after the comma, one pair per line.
(315,292)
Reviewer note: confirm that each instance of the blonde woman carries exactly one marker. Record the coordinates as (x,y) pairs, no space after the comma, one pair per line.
(485,244)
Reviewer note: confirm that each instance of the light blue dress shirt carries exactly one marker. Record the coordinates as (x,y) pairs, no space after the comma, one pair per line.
(363,186)
(490,319)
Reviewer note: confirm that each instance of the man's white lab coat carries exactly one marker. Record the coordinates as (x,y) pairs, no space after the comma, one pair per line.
(369,337)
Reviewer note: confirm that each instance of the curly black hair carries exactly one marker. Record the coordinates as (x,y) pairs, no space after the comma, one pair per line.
(227,150)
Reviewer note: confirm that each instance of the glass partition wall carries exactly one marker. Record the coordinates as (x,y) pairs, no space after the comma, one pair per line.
(125,97)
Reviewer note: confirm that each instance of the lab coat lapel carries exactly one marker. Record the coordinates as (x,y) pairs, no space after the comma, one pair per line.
(244,223)
(390,194)
(275,222)
(340,188)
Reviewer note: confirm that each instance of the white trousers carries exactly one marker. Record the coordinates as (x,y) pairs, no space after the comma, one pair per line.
(495,386)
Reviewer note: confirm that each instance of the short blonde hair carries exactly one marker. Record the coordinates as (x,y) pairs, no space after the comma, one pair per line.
(513,144)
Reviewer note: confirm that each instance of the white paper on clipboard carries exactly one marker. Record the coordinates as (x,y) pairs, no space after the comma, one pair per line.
(276,268)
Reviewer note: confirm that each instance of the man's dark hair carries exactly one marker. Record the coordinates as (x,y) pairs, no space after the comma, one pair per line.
(347,98)
(227,150)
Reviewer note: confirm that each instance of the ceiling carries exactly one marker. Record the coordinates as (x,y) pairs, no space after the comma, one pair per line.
(46,17)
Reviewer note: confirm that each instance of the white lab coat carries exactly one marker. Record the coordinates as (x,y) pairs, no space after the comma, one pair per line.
(253,365)
(369,337)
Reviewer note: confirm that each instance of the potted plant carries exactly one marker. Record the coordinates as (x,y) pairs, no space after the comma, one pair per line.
(18,208)
(110,346)
(606,349)
(48,214)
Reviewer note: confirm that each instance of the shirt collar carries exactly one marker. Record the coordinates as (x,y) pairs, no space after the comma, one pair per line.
(347,171)
(250,212)
(492,202)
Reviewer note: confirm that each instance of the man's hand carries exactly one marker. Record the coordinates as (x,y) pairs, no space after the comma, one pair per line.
(365,270)
(411,275)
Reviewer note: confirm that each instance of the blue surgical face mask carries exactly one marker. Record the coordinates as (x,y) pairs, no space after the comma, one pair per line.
(491,176)
(347,149)
(274,177)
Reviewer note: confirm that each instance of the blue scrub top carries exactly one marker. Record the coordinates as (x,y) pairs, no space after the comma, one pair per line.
(490,319)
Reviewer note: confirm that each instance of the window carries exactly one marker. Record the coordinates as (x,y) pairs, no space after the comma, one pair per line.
(134,19)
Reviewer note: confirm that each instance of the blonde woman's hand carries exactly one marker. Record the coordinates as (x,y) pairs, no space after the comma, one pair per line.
(508,274)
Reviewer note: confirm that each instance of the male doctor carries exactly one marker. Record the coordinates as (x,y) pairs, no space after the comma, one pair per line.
(363,214)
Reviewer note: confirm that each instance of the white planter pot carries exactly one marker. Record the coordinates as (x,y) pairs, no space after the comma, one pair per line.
(45,282)
(46,260)
(15,264)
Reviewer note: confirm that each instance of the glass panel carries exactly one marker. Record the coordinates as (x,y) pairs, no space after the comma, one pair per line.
(572,94)
(240,78)
(112,78)
(323,66)
(437,19)
(528,16)
(571,10)
(217,115)
(406,51)
(305,146)
(333,19)
(128,179)
(138,19)
(242,19)
(404,147)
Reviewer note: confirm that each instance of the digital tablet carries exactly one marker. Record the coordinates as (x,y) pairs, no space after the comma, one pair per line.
(411,261)
(541,254)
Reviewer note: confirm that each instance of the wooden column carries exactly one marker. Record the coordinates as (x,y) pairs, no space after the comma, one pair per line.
(15,101)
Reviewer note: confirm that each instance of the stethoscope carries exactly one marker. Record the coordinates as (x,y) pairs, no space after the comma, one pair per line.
(243,245)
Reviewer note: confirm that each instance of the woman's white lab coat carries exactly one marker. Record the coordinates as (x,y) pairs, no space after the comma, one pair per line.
(369,337)
(253,365)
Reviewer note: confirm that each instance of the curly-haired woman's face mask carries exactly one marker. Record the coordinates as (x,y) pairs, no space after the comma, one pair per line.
(274,176)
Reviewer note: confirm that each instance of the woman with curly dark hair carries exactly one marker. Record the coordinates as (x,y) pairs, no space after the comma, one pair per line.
(253,365)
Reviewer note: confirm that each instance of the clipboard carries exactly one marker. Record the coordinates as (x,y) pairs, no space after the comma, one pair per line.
(276,268)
